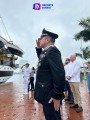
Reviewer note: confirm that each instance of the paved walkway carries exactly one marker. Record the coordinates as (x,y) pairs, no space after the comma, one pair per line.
(16,106)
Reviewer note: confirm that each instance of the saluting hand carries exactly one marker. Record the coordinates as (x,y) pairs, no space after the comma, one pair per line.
(56,103)
(38,42)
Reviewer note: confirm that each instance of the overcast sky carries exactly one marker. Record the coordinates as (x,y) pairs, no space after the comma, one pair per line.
(25,24)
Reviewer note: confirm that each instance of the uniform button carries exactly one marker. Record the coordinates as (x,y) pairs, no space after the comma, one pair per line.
(42,85)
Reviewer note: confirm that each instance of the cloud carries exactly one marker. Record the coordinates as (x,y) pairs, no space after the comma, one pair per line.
(25,24)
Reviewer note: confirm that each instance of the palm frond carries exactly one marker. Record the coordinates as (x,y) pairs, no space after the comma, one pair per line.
(84,34)
(78,55)
(85,23)
(85,53)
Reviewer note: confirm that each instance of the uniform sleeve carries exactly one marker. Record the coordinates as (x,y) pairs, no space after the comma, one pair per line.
(38,51)
(58,73)
(23,69)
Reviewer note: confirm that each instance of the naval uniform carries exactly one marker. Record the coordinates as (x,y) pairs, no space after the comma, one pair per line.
(50,80)
(26,72)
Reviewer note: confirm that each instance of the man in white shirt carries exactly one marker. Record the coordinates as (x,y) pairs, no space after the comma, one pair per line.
(27,73)
(73,76)
(68,92)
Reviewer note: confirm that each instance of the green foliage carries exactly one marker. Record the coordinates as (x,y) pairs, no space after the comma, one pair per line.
(85,33)
(85,53)
(78,55)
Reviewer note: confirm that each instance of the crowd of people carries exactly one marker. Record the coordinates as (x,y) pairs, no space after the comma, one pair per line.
(55,80)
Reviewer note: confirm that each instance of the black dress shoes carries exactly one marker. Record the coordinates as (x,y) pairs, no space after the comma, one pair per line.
(71,102)
(67,99)
(74,106)
(79,109)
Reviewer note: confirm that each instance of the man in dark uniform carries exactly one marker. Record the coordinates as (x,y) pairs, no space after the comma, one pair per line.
(50,78)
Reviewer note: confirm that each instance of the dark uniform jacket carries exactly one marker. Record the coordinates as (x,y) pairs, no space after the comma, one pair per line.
(50,77)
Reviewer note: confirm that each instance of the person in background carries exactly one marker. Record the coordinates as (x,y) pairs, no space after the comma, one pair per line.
(73,76)
(32,78)
(50,77)
(68,92)
(88,76)
(27,74)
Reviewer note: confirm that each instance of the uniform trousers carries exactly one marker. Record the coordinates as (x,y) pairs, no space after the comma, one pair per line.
(50,113)
(26,82)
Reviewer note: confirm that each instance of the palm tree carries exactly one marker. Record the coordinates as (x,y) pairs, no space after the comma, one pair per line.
(84,34)
(85,53)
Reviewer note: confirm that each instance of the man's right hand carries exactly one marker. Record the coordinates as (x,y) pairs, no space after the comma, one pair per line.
(56,103)
(23,66)
(38,42)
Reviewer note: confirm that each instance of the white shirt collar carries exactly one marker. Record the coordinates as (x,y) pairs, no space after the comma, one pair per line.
(48,47)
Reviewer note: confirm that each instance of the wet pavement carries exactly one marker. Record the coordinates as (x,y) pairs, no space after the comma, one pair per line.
(16,106)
